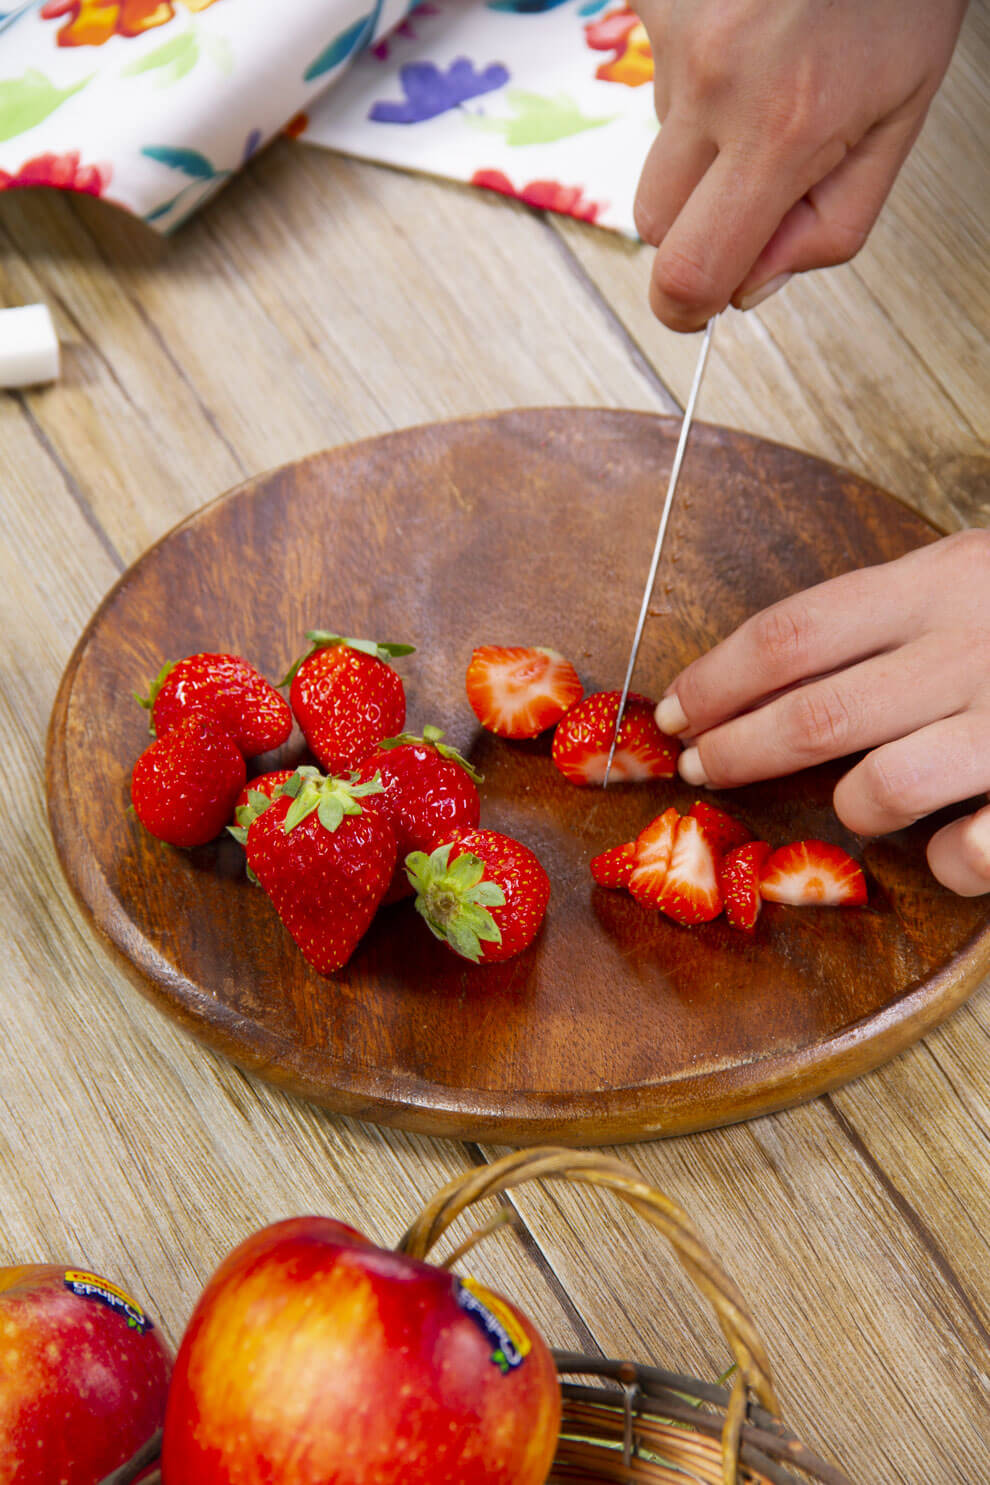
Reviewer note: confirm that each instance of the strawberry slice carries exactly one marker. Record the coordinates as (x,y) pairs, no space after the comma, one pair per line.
(583,737)
(654,846)
(614,867)
(520,691)
(690,891)
(724,831)
(813,873)
(739,882)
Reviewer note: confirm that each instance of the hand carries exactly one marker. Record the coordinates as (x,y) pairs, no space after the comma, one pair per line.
(894,659)
(785,123)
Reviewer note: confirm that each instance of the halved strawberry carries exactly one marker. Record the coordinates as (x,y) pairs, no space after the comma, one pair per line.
(520,691)
(614,867)
(583,738)
(653,847)
(690,891)
(724,831)
(739,882)
(813,873)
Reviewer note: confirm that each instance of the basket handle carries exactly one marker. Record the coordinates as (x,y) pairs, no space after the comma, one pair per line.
(590,1168)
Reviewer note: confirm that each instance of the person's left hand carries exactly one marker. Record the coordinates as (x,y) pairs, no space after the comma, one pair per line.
(894,660)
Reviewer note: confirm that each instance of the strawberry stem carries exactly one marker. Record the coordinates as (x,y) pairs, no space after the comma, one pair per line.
(330,798)
(148,701)
(453,899)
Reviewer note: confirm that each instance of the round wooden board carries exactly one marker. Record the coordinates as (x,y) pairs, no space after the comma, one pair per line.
(522,527)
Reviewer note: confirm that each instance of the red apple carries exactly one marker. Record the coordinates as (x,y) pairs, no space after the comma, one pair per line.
(83,1377)
(315,1358)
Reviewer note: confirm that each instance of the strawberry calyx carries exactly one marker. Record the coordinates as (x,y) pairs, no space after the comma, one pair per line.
(148,701)
(453,898)
(322,639)
(246,814)
(431,738)
(330,797)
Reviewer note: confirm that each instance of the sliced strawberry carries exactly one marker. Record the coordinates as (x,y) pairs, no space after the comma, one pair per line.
(813,873)
(583,738)
(614,867)
(654,847)
(690,891)
(520,691)
(724,831)
(739,882)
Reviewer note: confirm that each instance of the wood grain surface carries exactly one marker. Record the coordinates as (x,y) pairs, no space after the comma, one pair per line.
(521,528)
(316,302)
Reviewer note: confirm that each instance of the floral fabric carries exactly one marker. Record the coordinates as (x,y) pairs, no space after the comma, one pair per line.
(155,103)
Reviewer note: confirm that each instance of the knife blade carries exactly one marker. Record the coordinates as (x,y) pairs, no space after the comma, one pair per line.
(675,470)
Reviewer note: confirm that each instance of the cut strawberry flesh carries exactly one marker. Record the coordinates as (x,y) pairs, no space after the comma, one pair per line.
(654,847)
(813,873)
(520,691)
(614,867)
(690,892)
(583,738)
(739,882)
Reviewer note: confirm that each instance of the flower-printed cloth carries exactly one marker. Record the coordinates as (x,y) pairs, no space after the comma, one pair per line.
(155,103)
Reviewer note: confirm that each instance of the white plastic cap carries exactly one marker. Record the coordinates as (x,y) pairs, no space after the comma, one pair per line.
(28,346)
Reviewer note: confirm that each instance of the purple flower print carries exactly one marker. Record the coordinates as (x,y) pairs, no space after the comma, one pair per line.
(430,92)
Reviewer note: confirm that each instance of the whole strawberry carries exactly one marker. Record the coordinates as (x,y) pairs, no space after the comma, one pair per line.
(583,738)
(228,691)
(346,697)
(430,790)
(483,893)
(185,784)
(325,860)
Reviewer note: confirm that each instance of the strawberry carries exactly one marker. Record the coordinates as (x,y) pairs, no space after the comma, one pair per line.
(584,735)
(226,690)
(325,859)
(690,891)
(483,893)
(813,873)
(255,797)
(520,691)
(653,849)
(429,790)
(613,868)
(346,697)
(184,784)
(739,882)
(724,831)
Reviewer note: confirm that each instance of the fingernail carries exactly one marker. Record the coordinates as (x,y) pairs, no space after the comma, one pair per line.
(757,296)
(670,716)
(690,767)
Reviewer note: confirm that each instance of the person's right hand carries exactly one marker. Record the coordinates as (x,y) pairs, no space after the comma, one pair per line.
(784,124)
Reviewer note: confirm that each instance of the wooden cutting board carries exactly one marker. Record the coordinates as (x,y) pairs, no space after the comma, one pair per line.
(525,527)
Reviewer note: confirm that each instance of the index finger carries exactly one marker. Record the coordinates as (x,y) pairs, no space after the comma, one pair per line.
(717,236)
(838,623)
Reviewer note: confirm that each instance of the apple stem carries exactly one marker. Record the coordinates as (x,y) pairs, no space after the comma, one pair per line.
(137,1464)
(504,1217)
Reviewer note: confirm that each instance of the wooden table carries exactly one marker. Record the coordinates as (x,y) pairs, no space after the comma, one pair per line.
(318,301)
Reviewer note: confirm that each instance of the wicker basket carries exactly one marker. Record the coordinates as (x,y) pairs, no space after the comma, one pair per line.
(637,1423)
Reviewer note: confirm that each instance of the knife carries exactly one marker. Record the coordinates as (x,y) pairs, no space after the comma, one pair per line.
(686,420)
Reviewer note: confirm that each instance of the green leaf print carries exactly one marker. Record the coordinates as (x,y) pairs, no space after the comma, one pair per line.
(190,162)
(28,100)
(539,120)
(173,59)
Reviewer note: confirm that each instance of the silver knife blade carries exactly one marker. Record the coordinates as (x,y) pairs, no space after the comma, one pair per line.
(675,470)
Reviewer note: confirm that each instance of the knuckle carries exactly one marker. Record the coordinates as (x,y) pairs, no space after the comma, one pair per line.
(681,281)
(783,638)
(968,551)
(890,788)
(819,722)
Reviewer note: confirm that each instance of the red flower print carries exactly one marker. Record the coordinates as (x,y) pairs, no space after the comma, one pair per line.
(92,22)
(62,171)
(544,195)
(622,33)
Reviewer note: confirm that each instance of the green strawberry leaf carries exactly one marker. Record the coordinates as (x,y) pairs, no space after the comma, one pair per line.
(431,737)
